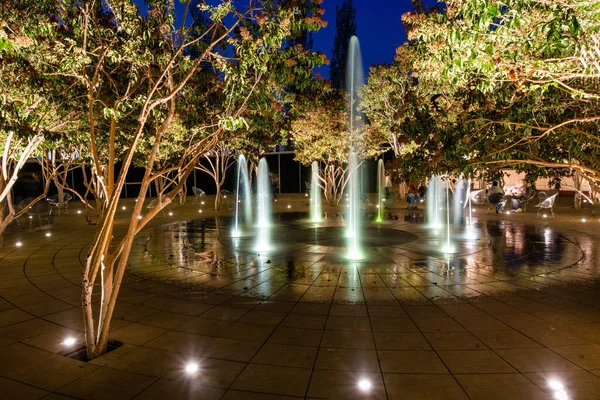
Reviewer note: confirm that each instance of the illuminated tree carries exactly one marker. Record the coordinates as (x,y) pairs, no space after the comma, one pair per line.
(321,133)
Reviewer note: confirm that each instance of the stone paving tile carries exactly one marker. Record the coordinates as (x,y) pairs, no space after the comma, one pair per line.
(274,380)
(39,368)
(180,342)
(145,361)
(506,339)
(338,323)
(423,387)
(438,325)
(306,321)
(13,316)
(212,372)
(286,355)
(137,334)
(12,390)
(586,356)
(348,340)
(411,362)
(474,361)
(393,324)
(577,384)
(163,389)
(241,395)
(347,360)
(454,341)
(401,341)
(344,384)
(499,387)
(107,383)
(231,349)
(536,360)
(297,336)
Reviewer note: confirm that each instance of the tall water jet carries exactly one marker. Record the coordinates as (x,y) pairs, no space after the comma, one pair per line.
(263,200)
(354,81)
(433,203)
(353,230)
(380,190)
(459,200)
(316,213)
(448,248)
(244,180)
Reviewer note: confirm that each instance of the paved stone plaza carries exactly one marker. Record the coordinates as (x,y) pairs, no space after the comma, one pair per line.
(513,315)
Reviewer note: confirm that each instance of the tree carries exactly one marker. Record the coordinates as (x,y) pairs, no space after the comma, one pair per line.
(525,74)
(139,90)
(33,106)
(345,28)
(321,133)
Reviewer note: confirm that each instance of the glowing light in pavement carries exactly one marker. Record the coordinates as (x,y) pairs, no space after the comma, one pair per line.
(191,368)
(365,385)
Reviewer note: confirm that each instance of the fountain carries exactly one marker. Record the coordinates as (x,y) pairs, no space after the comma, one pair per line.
(354,81)
(263,200)
(459,199)
(242,176)
(435,210)
(380,190)
(316,213)
(433,206)
(448,248)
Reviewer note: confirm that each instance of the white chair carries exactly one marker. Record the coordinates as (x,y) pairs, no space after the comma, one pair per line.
(53,201)
(198,193)
(228,198)
(478,197)
(546,202)
(153,204)
(38,211)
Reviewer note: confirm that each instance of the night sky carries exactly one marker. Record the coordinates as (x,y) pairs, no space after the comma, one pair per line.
(379,24)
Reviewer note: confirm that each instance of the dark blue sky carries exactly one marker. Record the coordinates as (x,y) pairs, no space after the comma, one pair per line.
(379,29)
(379,24)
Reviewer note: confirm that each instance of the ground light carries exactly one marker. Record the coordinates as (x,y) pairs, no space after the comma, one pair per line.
(123,208)
(199,211)
(78,211)
(48,234)
(170,214)
(365,385)
(18,244)
(559,389)
(583,220)
(70,341)
(191,368)
(289,206)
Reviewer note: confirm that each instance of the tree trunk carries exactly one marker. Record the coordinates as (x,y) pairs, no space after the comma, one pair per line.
(61,193)
(577,181)
(218,199)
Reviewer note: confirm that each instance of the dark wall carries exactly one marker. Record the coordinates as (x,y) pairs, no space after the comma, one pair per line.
(293,178)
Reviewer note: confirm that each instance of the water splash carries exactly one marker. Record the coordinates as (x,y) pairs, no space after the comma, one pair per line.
(354,82)
(353,233)
(433,203)
(316,213)
(263,200)
(243,178)
(438,210)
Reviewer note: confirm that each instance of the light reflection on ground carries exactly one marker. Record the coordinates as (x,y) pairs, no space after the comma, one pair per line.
(201,255)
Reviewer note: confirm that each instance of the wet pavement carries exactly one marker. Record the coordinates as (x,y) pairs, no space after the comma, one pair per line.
(512,314)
